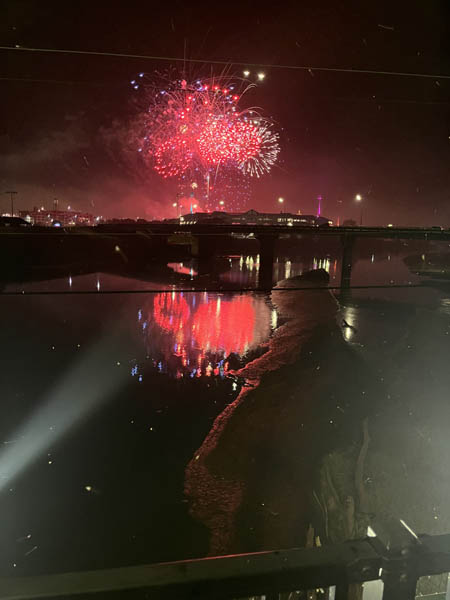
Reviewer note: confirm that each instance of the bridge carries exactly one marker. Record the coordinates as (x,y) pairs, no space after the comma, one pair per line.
(268,235)
(156,238)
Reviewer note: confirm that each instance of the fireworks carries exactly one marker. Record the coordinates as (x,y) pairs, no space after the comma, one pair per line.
(224,142)
(172,157)
(266,155)
(191,131)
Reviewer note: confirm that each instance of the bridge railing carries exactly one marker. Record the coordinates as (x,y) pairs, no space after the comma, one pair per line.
(395,555)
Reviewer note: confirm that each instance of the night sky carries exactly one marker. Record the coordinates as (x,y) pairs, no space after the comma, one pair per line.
(385,137)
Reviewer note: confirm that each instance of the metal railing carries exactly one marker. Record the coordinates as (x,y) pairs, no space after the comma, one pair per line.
(393,553)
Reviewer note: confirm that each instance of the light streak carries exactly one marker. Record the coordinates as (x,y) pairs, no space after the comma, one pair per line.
(88,384)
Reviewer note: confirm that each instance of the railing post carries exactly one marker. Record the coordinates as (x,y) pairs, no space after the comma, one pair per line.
(400,549)
(341,592)
(399,584)
(400,573)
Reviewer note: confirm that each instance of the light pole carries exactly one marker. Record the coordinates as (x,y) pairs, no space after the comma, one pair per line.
(11,193)
(281,202)
(358,198)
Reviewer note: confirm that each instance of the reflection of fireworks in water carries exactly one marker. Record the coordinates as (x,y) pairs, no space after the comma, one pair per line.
(193,335)
(190,131)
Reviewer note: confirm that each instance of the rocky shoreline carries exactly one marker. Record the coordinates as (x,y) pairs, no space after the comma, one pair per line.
(251,481)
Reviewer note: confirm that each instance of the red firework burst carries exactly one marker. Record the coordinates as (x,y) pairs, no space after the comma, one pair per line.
(173,157)
(234,141)
(196,127)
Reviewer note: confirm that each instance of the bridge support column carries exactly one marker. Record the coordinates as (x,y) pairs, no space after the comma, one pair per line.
(266,257)
(348,242)
(204,252)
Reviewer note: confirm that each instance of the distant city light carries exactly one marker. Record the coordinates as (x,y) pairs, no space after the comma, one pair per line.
(174,204)
(261,76)
(281,200)
(358,197)
(390,225)
(221,203)
(246,73)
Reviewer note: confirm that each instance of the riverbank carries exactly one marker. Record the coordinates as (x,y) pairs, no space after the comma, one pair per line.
(251,480)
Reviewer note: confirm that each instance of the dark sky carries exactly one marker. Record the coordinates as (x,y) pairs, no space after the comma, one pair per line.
(387,138)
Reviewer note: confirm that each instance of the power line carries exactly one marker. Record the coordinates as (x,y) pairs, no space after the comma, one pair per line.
(123,84)
(210,290)
(310,69)
(101,84)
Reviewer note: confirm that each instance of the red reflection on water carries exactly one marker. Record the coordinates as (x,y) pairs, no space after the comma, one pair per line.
(225,325)
(196,331)
(170,311)
(215,325)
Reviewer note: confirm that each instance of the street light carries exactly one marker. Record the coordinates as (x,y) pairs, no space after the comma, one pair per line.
(261,76)
(12,193)
(358,198)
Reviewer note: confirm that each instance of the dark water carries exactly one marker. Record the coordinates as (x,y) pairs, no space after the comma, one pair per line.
(106,398)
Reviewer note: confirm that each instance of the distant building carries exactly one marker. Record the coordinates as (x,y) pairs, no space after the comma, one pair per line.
(251,217)
(65,218)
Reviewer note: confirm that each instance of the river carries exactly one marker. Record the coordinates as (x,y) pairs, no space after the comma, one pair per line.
(145,427)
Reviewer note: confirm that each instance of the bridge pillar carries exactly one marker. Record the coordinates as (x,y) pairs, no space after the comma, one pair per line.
(204,252)
(348,241)
(266,257)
